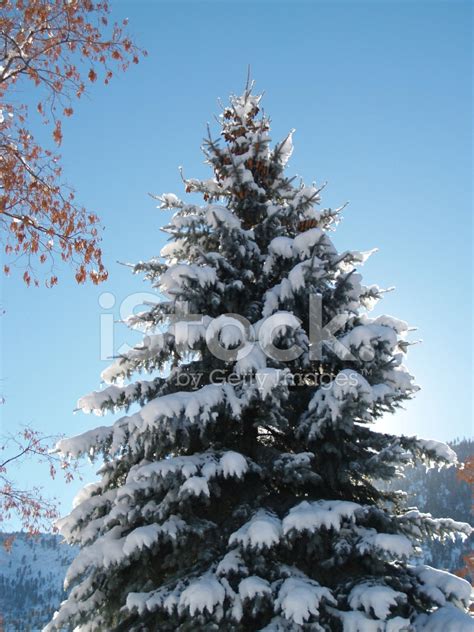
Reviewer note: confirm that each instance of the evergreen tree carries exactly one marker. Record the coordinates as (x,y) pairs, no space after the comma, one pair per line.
(240,495)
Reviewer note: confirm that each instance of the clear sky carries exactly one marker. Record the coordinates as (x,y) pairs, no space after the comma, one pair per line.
(380,96)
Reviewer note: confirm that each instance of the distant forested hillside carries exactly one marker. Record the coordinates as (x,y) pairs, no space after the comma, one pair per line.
(442,494)
(31,579)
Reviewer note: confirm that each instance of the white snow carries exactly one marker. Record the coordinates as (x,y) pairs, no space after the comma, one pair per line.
(150,346)
(233,464)
(203,594)
(252,586)
(375,598)
(297,275)
(232,562)
(187,217)
(292,461)
(400,326)
(304,196)
(299,598)
(398,624)
(106,551)
(195,406)
(172,527)
(85,443)
(82,511)
(113,548)
(169,200)
(216,215)
(169,602)
(250,358)
(268,379)
(356,621)
(310,516)
(170,249)
(381,391)
(275,325)
(202,467)
(272,300)
(245,104)
(348,259)
(305,242)
(228,330)
(347,386)
(285,149)
(210,186)
(141,537)
(94,402)
(85,493)
(438,525)
(178,274)
(196,486)
(263,530)
(441,450)
(137,601)
(165,598)
(236,610)
(398,546)
(364,338)
(186,465)
(189,332)
(113,373)
(187,403)
(440,585)
(445,619)
(302,248)
(399,380)
(281,247)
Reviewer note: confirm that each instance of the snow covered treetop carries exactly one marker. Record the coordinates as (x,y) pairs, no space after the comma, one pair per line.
(248,171)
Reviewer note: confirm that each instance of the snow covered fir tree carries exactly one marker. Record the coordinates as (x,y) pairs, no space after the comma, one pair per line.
(239,490)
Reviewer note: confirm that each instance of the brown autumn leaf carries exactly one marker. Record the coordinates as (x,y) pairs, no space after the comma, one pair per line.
(38,215)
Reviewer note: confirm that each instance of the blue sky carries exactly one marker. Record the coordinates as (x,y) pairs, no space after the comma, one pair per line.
(380,96)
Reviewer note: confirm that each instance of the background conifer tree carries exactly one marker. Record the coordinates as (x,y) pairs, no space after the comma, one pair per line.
(241,493)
